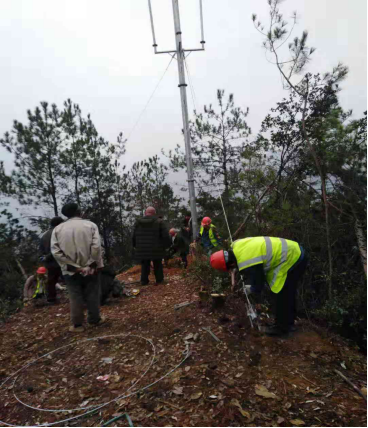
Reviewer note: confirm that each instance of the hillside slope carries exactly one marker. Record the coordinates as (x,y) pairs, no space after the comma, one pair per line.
(246,379)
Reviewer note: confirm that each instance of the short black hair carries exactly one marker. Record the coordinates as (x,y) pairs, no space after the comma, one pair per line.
(55,221)
(70,210)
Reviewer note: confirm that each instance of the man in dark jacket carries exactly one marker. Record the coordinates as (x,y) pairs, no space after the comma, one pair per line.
(150,239)
(53,269)
(179,245)
(186,229)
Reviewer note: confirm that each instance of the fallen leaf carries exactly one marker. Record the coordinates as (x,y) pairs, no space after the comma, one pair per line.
(107,360)
(280,420)
(187,368)
(189,336)
(238,375)
(364,391)
(287,406)
(313,355)
(196,395)
(343,365)
(235,402)
(178,390)
(115,378)
(297,422)
(213,397)
(102,378)
(263,392)
(64,379)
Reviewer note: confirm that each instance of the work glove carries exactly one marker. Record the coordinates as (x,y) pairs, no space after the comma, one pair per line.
(248,289)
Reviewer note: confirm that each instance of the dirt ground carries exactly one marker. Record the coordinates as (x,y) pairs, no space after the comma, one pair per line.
(245,379)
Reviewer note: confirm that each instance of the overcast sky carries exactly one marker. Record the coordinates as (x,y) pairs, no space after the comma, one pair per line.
(100,55)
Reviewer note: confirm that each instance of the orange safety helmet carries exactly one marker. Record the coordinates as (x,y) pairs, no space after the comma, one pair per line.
(219,259)
(206,221)
(42,270)
(172,232)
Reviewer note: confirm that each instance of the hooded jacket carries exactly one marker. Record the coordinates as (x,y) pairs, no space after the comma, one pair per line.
(150,239)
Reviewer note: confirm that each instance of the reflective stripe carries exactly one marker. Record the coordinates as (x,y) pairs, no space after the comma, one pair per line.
(251,261)
(268,253)
(284,251)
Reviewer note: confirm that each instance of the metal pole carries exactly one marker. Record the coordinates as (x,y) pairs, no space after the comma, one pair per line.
(184,107)
(152,27)
(201,15)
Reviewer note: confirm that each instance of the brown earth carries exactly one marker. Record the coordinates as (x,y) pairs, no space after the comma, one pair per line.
(246,379)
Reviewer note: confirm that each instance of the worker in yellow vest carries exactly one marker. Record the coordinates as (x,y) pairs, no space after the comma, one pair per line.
(208,236)
(278,262)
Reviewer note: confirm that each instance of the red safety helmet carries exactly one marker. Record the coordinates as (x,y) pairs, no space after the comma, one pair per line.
(172,232)
(42,270)
(206,221)
(218,260)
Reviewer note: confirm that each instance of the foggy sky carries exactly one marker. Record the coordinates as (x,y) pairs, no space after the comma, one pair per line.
(100,55)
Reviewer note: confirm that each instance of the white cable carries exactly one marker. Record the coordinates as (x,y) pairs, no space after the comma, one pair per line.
(95,408)
(222,203)
(149,99)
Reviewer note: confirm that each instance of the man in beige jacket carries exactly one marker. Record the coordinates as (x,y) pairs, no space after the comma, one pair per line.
(76,246)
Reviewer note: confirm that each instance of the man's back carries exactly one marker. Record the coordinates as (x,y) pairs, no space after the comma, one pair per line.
(150,238)
(76,242)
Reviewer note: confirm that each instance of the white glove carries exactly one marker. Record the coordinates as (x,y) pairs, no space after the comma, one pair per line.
(247,289)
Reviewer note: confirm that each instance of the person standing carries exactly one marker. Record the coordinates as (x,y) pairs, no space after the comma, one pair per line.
(278,262)
(76,246)
(186,229)
(53,269)
(150,239)
(208,236)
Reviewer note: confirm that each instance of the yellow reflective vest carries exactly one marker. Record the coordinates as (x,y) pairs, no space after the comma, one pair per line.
(40,287)
(277,255)
(211,235)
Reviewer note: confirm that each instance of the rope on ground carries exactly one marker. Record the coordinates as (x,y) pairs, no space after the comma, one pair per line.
(94,408)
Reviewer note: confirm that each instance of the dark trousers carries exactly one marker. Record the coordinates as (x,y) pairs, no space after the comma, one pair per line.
(157,268)
(83,290)
(286,298)
(184,259)
(53,274)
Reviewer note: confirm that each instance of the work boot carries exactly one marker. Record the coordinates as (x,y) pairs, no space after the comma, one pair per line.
(101,321)
(293,327)
(276,331)
(76,329)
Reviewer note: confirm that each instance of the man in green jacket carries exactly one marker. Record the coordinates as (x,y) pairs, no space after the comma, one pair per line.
(278,262)
(208,236)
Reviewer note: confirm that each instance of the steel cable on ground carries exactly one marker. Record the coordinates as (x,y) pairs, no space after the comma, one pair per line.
(98,407)
(150,98)
(252,314)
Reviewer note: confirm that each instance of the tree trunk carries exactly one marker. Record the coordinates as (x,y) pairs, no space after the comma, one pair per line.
(323,188)
(361,239)
(21,268)
(328,239)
